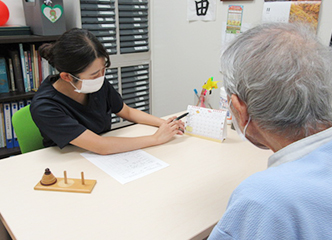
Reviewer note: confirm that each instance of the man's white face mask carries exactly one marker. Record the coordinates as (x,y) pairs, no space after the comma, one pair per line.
(236,125)
(237,128)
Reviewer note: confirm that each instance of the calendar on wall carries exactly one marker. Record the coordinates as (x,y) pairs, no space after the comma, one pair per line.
(206,123)
(292,11)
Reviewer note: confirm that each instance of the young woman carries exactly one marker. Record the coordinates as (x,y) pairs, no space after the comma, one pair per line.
(75,106)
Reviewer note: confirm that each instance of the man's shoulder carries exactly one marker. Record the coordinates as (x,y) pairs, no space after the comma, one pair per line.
(261,181)
(288,183)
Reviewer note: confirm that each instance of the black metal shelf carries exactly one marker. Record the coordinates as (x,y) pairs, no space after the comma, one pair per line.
(14,96)
(7,152)
(26,39)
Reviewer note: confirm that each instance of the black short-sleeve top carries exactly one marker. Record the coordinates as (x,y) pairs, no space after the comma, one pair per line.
(61,119)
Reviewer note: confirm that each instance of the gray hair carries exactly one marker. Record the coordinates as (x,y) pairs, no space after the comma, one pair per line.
(283,74)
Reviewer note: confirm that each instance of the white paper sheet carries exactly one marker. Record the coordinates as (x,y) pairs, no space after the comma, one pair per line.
(276,12)
(226,38)
(201,10)
(128,166)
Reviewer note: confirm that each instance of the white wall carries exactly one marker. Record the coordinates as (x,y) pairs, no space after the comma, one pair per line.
(184,54)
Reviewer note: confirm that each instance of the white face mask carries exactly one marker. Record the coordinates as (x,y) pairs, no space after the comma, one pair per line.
(243,135)
(89,85)
(236,125)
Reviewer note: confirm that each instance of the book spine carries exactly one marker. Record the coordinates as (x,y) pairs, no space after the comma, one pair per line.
(14,108)
(35,66)
(27,81)
(21,104)
(45,68)
(31,74)
(2,128)
(17,70)
(11,73)
(24,68)
(40,71)
(3,76)
(8,125)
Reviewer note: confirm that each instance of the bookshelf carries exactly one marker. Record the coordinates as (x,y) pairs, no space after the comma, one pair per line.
(26,39)
(6,41)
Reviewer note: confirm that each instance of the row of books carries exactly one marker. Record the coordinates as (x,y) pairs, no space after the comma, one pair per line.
(22,69)
(8,137)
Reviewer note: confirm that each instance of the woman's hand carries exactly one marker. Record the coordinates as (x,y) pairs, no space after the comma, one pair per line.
(167,130)
(180,125)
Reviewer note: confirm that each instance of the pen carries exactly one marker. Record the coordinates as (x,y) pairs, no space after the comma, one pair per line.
(179,117)
(196,93)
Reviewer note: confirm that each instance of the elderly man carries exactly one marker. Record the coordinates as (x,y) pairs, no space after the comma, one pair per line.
(278,79)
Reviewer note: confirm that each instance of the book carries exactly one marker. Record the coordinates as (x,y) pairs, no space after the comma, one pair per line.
(45,68)
(2,128)
(40,71)
(29,70)
(23,67)
(21,104)
(34,57)
(27,81)
(18,77)
(14,108)
(11,74)
(4,86)
(8,125)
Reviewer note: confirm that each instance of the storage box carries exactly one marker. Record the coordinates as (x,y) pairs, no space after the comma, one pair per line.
(45,17)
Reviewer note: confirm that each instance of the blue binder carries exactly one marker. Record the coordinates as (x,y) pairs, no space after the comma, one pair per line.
(8,125)
(14,106)
(21,104)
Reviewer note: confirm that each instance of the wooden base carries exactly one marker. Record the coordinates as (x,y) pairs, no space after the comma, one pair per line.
(72,185)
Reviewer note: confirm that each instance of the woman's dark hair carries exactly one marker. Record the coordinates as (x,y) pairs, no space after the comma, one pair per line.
(74,51)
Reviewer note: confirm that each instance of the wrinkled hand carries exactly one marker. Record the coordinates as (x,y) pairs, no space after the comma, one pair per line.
(167,130)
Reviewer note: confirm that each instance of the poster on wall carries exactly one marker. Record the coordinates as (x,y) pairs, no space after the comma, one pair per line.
(234,25)
(292,11)
(234,19)
(201,10)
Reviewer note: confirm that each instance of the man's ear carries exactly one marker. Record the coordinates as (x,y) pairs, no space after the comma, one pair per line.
(65,76)
(241,110)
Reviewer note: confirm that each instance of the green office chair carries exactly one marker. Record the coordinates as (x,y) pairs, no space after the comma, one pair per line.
(28,135)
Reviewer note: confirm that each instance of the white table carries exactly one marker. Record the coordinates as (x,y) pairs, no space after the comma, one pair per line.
(182,201)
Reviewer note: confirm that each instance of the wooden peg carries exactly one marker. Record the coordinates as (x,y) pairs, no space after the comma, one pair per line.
(68,184)
(82,177)
(65,177)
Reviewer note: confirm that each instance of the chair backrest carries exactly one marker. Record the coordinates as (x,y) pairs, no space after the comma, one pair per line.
(28,134)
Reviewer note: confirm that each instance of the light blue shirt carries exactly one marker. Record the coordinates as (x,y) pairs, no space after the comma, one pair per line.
(292,199)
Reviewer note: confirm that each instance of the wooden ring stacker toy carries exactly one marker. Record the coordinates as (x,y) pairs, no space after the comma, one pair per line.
(48,178)
(50,183)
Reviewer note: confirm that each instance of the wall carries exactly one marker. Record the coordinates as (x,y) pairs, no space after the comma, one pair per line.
(184,54)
